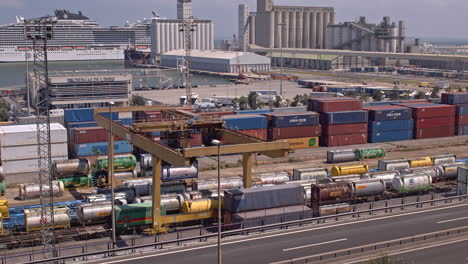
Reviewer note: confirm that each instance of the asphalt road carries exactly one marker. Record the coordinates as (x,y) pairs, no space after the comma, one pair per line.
(454,252)
(295,243)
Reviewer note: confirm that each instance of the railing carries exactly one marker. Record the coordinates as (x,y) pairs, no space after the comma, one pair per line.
(245,231)
(376,246)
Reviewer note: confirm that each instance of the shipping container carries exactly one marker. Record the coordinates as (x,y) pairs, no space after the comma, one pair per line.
(22,135)
(462,109)
(334,104)
(242,200)
(462,130)
(349,170)
(126,121)
(292,120)
(388,136)
(344,140)
(148,116)
(337,156)
(24,166)
(434,132)
(388,113)
(347,117)
(30,152)
(462,173)
(461,120)
(89,149)
(261,134)
(294,132)
(84,115)
(297,109)
(269,216)
(253,112)
(214,114)
(334,130)
(246,122)
(431,110)
(302,143)
(396,125)
(447,121)
(455,98)
(196,140)
(89,135)
(369,153)
(135,215)
(309,174)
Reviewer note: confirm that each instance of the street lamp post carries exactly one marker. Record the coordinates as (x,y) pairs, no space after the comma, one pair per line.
(281,58)
(218,143)
(110,174)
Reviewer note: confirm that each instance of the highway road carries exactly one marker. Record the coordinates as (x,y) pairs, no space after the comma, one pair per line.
(293,243)
(452,252)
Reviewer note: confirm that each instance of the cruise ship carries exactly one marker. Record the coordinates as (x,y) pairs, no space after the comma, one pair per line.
(76,37)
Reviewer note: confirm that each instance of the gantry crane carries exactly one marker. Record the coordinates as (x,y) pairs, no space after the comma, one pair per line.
(187,27)
(39,31)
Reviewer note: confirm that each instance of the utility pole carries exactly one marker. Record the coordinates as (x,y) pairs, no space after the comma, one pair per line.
(281,59)
(187,27)
(39,31)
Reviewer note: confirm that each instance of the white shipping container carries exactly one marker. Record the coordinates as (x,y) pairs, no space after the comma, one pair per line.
(23,166)
(462,173)
(462,188)
(21,135)
(30,152)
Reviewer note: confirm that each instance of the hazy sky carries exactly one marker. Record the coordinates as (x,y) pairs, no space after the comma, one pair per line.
(424,18)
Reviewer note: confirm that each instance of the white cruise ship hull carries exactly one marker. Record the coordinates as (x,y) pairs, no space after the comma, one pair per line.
(14,54)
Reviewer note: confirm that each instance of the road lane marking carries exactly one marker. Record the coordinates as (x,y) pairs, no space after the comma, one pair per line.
(452,220)
(287,233)
(317,244)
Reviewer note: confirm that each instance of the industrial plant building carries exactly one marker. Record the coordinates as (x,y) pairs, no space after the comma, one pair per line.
(285,26)
(167,34)
(80,91)
(363,36)
(219,61)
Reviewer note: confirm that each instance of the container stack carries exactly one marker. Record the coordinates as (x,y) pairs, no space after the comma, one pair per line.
(301,130)
(460,100)
(389,123)
(432,120)
(19,150)
(87,139)
(250,125)
(462,180)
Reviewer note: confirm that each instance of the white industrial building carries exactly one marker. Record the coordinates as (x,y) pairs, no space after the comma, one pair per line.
(184,9)
(166,35)
(362,36)
(219,61)
(286,26)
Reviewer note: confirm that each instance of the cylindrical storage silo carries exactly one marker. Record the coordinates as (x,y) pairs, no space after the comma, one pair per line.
(369,187)
(443,159)
(77,182)
(173,202)
(33,220)
(412,183)
(90,212)
(369,153)
(30,191)
(450,170)
(121,163)
(71,168)
(436,172)
(338,156)
(421,162)
(386,176)
(200,205)
(348,170)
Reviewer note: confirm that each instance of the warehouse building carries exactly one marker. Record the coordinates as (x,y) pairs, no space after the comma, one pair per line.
(83,91)
(285,26)
(219,61)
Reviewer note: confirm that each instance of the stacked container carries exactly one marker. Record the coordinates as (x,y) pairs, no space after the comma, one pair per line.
(460,100)
(432,120)
(343,121)
(389,123)
(251,125)
(300,127)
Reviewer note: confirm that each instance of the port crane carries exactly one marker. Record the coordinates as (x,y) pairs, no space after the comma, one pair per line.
(187,27)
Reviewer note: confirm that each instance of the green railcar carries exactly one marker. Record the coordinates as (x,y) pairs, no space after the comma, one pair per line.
(77,182)
(135,215)
(369,153)
(121,163)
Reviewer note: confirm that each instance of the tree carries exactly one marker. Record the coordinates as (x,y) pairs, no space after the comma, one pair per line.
(253,100)
(395,94)
(420,95)
(296,100)
(364,97)
(137,100)
(460,89)
(3,111)
(277,102)
(350,94)
(378,96)
(305,99)
(242,102)
(435,92)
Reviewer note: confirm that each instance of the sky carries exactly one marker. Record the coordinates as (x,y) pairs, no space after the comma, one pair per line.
(427,19)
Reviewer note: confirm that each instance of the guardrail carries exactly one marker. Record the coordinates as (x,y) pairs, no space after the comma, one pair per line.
(376,246)
(244,231)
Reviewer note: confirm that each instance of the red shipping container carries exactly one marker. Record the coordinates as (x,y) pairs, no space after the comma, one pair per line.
(344,140)
(434,132)
(447,121)
(214,114)
(89,135)
(149,116)
(430,111)
(196,140)
(344,129)
(339,105)
(461,120)
(257,133)
(294,132)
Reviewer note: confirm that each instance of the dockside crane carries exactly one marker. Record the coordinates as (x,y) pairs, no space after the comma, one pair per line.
(39,31)
(187,27)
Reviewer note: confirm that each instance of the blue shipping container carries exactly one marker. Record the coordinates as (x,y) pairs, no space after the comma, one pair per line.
(253,112)
(391,125)
(84,115)
(462,130)
(402,113)
(128,121)
(86,124)
(462,109)
(457,98)
(83,150)
(346,117)
(246,122)
(294,120)
(388,136)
